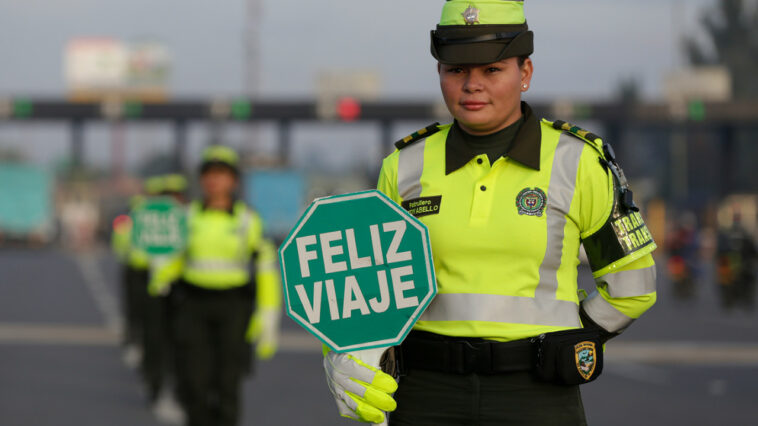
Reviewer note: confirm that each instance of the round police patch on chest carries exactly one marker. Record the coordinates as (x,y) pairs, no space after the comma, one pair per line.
(531,202)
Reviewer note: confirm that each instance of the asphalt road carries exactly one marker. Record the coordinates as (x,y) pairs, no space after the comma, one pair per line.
(60,363)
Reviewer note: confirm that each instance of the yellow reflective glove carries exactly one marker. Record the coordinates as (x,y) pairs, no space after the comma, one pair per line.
(263,330)
(362,391)
(164,271)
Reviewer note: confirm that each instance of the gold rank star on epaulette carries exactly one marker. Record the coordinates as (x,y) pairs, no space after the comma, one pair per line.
(417,135)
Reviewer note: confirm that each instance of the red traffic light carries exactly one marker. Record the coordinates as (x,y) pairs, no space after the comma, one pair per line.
(348,109)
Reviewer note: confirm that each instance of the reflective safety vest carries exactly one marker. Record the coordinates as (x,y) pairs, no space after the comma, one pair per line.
(220,246)
(506,237)
(121,244)
(267,281)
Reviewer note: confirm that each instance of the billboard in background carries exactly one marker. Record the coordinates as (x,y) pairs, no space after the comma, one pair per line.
(98,68)
(278,195)
(95,64)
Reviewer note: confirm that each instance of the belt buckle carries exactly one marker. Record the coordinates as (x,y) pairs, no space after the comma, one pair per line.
(477,358)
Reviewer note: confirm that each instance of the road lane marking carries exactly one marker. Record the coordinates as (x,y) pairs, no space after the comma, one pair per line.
(104,300)
(644,373)
(684,353)
(57,334)
(627,352)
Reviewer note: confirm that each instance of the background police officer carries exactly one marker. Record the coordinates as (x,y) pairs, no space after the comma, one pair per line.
(157,359)
(508,338)
(213,298)
(135,264)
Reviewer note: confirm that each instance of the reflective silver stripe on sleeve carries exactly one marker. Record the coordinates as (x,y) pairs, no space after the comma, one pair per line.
(410,165)
(559,196)
(244,223)
(216,265)
(604,314)
(266,266)
(501,308)
(637,282)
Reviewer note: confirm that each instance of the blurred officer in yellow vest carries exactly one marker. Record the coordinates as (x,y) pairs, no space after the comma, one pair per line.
(508,200)
(158,346)
(135,264)
(227,268)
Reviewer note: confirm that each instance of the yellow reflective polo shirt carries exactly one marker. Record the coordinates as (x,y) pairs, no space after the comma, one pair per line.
(505,236)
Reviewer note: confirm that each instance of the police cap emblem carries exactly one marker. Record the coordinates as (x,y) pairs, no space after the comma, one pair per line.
(471,15)
(531,202)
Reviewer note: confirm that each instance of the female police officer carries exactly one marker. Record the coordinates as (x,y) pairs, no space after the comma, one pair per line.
(507,339)
(212,300)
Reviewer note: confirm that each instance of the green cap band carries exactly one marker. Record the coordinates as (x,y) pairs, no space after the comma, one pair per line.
(153,185)
(482,12)
(174,183)
(219,155)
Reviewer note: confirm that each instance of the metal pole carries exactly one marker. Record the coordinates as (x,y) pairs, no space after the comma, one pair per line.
(679,162)
(385,138)
(285,141)
(614,137)
(77,144)
(117,149)
(728,160)
(180,145)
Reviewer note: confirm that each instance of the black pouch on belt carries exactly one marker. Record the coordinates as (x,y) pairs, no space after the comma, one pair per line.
(570,357)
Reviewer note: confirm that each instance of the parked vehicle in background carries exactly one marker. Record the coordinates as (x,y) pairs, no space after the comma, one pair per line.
(26,203)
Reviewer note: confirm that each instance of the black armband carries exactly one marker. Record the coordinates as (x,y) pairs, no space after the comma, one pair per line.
(624,237)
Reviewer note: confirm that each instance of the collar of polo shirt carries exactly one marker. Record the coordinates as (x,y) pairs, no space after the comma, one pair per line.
(525,147)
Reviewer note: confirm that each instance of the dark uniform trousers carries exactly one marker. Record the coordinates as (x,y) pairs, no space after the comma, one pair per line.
(426,398)
(209,328)
(157,346)
(135,296)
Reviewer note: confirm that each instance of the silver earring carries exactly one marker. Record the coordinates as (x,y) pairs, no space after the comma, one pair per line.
(524,85)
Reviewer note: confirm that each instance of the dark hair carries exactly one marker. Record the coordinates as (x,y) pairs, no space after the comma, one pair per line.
(522,59)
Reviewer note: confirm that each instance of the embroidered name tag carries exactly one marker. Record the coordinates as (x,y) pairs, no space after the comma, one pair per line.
(423,206)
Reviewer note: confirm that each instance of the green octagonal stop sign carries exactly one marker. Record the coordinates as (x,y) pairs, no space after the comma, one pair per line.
(357,271)
(160,226)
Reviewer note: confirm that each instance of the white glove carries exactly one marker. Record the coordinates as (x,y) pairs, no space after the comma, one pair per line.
(362,391)
(264,331)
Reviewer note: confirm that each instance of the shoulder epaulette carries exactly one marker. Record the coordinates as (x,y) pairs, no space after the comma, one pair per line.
(607,158)
(577,131)
(418,135)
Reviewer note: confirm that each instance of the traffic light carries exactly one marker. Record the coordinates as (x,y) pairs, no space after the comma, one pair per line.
(696,110)
(348,109)
(241,109)
(22,108)
(132,109)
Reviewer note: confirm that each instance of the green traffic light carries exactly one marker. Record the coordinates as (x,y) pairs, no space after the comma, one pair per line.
(22,108)
(696,110)
(241,110)
(132,109)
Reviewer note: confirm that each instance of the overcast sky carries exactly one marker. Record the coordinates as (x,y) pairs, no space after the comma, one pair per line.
(583,49)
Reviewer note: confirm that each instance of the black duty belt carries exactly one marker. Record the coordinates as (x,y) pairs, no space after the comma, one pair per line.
(459,355)
(245,291)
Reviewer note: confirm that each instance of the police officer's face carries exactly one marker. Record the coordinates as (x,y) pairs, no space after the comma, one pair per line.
(218,181)
(485,98)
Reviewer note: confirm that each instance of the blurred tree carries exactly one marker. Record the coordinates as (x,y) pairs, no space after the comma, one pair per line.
(732,27)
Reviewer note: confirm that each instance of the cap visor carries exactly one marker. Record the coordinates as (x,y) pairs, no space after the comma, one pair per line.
(473,53)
